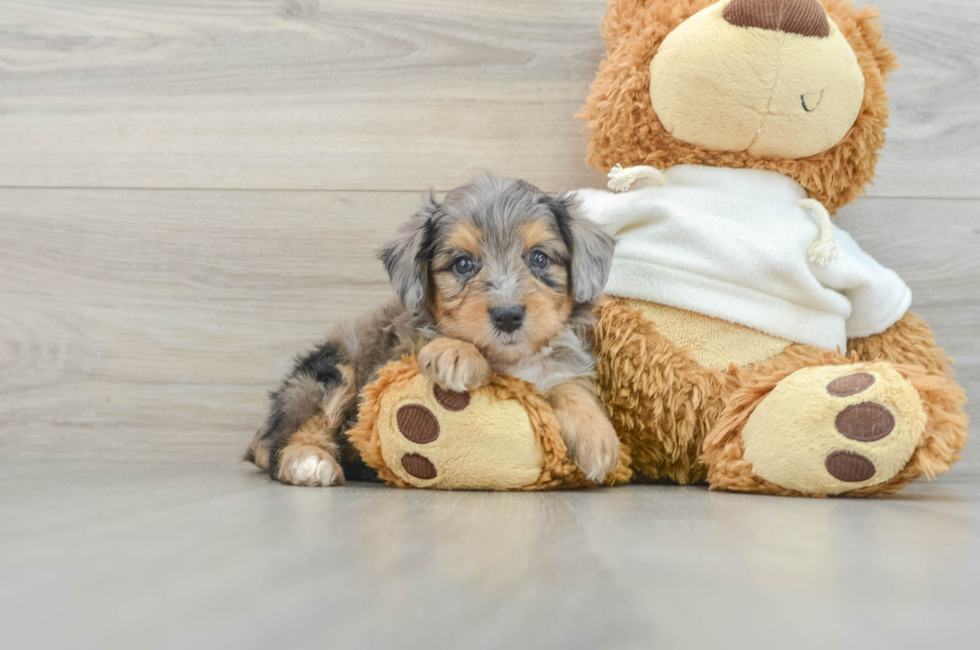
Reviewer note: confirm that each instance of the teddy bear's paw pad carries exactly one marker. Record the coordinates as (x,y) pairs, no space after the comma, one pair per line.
(865,422)
(851,384)
(417,423)
(438,438)
(450,399)
(831,429)
(419,466)
(849,467)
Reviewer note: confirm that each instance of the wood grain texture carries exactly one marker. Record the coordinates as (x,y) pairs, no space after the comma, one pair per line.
(139,318)
(149,324)
(294,94)
(384,94)
(151,556)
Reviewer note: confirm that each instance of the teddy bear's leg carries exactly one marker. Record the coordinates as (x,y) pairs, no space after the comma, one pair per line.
(501,436)
(838,427)
(909,341)
(661,401)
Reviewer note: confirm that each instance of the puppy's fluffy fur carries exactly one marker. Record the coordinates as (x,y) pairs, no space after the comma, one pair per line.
(498,276)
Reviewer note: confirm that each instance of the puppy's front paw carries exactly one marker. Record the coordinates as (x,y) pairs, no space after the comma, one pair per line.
(595,448)
(453,364)
(589,435)
(309,465)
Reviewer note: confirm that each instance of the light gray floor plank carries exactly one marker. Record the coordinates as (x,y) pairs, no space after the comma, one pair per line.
(157,556)
(384,94)
(149,324)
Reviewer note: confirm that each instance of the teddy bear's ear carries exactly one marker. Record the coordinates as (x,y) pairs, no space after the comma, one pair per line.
(863,29)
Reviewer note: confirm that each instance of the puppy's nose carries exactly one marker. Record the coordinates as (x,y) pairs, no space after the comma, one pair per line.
(803,17)
(507,318)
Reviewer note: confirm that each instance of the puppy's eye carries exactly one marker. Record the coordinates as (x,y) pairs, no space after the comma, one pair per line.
(538,260)
(462,265)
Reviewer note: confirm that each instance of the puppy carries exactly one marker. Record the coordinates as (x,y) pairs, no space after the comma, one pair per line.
(499,276)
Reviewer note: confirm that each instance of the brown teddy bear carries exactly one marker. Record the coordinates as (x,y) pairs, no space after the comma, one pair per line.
(751,343)
(746,341)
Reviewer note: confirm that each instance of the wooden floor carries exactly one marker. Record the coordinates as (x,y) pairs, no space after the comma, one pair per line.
(192,191)
(133,555)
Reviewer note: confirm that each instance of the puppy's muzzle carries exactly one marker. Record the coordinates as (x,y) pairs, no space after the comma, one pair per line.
(507,318)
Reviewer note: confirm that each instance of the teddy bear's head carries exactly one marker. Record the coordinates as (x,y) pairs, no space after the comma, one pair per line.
(794,86)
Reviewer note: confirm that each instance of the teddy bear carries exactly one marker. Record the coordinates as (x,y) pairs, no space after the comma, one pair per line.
(748,341)
(745,340)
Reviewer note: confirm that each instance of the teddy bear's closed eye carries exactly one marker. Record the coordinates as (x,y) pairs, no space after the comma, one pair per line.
(811,101)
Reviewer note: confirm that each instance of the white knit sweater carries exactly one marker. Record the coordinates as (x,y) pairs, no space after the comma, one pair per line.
(732,243)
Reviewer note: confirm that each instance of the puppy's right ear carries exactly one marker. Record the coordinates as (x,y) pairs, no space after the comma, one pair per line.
(407,257)
(590,246)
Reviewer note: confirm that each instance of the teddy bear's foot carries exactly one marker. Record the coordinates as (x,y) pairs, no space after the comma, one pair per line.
(501,436)
(436,437)
(832,429)
(836,428)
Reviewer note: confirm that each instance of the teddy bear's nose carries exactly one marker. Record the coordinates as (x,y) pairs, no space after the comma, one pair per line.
(804,17)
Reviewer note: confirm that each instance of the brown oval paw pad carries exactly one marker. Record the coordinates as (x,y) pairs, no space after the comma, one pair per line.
(450,399)
(419,466)
(865,422)
(849,467)
(418,424)
(850,384)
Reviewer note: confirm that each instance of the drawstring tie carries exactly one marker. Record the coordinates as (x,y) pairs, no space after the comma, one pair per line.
(621,179)
(824,249)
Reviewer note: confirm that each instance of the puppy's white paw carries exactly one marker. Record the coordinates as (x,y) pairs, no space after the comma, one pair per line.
(595,449)
(454,365)
(310,466)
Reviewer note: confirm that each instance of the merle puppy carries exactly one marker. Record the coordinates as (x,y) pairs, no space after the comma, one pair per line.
(498,276)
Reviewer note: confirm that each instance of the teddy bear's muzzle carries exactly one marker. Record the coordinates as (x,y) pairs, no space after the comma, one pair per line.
(749,76)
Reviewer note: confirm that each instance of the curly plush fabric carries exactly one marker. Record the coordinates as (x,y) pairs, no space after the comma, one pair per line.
(663,403)
(683,422)
(625,130)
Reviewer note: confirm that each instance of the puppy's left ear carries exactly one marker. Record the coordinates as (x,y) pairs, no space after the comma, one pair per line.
(591,248)
(407,257)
